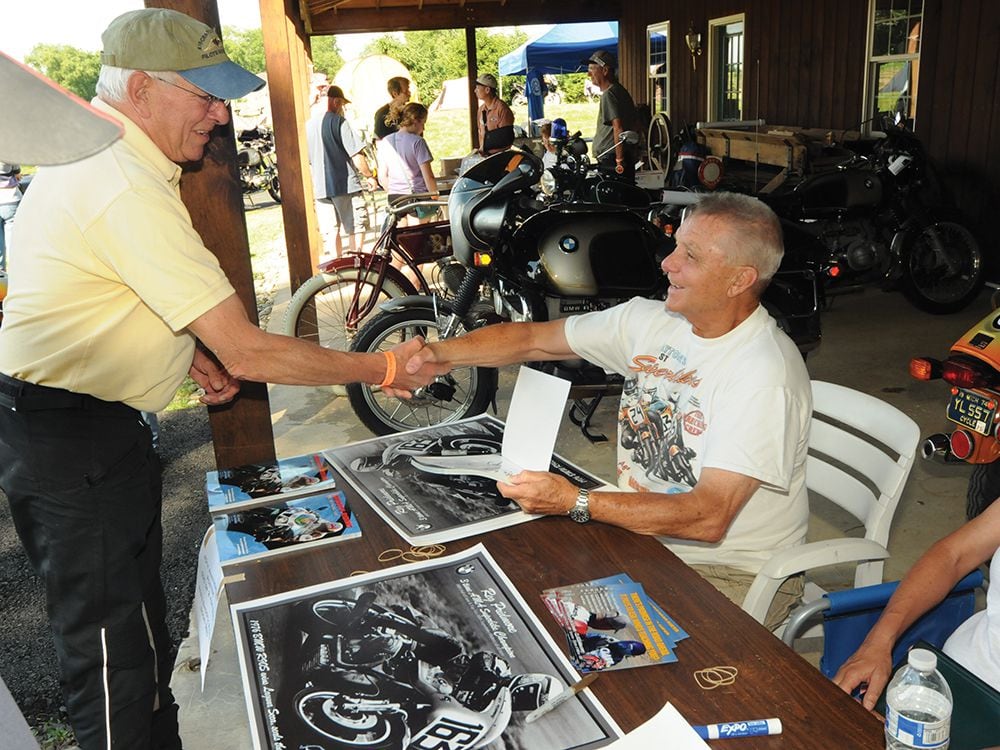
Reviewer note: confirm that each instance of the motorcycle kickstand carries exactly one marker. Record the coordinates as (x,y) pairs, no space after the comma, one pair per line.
(586,408)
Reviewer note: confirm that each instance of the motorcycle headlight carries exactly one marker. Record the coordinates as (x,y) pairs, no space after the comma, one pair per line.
(548,182)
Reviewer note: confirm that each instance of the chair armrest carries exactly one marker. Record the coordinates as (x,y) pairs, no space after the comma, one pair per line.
(799,559)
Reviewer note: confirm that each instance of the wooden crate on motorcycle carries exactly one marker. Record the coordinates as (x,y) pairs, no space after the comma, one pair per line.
(788,151)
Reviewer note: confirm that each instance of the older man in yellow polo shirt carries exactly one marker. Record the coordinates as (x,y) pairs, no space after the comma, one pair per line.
(110,293)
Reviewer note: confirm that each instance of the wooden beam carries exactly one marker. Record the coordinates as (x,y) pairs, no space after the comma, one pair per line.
(346,20)
(241,431)
(472,64)
(288,72)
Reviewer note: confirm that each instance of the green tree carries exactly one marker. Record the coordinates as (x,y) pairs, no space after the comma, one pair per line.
(326,56)
(72,68)
(245,47)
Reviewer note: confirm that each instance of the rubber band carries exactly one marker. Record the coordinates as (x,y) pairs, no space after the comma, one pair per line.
(389,555)
(713,677)
(358,572)
(390,369)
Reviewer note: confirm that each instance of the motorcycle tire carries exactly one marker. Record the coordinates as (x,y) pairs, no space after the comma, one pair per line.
(942,268)
(464,392)
(984,488)
(274,189)
(320,710)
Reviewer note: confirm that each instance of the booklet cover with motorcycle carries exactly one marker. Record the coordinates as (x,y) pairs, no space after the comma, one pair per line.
(252,484)
(443,653)
(273,528)
(400,476)
(611,623)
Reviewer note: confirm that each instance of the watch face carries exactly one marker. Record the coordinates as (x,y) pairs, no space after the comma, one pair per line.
(580,515)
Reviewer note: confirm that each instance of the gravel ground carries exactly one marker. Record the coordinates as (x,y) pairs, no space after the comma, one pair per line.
(27,654)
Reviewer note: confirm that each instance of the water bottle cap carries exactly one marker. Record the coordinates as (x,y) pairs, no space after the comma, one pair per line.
(922,660)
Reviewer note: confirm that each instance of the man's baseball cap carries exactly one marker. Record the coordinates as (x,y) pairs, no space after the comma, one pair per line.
(488,80)
(157,39)
(335,92)
(50,125)
(603,58)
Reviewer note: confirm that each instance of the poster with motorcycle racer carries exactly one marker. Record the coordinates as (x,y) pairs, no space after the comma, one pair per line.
(429,508)
(441,654)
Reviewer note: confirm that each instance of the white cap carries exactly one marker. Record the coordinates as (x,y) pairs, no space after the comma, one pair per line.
(922,660)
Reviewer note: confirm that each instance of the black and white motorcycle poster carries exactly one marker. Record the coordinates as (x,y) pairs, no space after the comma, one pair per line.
(405,478)
(441,654)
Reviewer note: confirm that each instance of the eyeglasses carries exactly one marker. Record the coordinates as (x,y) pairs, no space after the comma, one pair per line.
(207,98)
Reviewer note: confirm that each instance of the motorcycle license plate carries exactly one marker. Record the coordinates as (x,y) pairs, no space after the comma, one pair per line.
(973,411)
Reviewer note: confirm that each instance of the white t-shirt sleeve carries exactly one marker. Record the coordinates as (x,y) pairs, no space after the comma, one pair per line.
(607,337)
(352,142)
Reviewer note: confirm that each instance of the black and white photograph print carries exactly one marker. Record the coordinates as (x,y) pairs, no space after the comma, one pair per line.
(438,654)
(425,507)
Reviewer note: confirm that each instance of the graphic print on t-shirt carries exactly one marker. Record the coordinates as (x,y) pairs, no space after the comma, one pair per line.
(657,409)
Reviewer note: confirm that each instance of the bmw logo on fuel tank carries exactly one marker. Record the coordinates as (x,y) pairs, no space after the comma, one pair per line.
(568,243)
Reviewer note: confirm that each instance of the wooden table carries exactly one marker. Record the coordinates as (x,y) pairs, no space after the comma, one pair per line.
(772,680)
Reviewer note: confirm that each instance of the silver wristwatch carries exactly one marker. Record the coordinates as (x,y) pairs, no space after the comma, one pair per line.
(581,511)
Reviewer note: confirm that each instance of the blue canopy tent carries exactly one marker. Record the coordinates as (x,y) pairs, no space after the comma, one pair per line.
(557,50)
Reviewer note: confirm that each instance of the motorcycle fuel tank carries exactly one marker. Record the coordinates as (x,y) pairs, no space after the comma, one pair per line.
(597,255)
(835,193)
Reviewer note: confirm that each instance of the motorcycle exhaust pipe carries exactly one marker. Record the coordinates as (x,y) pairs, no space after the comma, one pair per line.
(938,447)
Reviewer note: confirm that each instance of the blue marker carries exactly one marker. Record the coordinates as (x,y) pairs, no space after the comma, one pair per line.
(750,728)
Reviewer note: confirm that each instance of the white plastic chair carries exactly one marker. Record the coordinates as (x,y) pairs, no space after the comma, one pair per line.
(861,465)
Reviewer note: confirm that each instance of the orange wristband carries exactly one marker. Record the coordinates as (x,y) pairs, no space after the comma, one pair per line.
(390,369)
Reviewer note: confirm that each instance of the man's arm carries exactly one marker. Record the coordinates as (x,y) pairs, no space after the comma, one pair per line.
(703,514)
(925,585)
(248,353)
(494,346)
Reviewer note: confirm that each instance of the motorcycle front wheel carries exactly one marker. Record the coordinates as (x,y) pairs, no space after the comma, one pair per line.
(942,268)
(274,188)
(327,713)
(464,392)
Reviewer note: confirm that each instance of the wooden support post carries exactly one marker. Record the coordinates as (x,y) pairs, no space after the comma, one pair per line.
(241,431)
(472,63)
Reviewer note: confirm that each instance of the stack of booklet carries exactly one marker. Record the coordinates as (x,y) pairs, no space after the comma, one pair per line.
(263,509)
(610,623)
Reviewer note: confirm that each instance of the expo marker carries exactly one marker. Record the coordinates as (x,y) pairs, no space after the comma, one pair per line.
(749,728)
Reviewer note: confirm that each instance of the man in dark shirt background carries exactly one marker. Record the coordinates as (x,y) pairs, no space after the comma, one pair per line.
(615,114)
(387,116)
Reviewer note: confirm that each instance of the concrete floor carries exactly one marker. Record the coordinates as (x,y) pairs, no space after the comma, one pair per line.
(868,341)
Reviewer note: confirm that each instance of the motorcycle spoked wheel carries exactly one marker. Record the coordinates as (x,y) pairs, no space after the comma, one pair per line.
(942,268)
(274,188)
(464,392)
(324,712)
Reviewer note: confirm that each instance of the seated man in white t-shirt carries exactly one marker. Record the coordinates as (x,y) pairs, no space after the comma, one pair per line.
(714,419)
(976,642)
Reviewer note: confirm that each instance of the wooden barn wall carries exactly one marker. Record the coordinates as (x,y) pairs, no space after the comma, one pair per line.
(805,65)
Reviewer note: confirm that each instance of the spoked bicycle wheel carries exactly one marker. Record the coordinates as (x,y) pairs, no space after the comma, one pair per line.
(338,299)
(464,392)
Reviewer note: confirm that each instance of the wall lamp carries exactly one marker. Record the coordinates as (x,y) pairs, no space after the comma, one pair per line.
(693,40)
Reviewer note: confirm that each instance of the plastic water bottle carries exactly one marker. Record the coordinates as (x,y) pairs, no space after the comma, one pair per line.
(918,705)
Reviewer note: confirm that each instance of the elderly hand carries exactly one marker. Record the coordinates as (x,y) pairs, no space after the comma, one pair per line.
(219,386)
(871,664)
(419,365)
(540,492)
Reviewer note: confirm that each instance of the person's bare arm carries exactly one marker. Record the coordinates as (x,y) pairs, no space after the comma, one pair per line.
(428,174)
(617,129)
(703,514)
(248,353)
(926,584)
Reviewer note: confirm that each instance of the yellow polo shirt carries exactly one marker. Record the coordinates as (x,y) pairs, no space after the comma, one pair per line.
(107,274)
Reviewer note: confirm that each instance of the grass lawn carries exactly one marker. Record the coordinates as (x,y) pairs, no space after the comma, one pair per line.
(447,131)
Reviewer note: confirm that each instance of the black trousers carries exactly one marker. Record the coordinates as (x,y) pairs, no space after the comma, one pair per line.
(84,488)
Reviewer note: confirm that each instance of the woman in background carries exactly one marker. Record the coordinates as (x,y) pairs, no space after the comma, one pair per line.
(404,160)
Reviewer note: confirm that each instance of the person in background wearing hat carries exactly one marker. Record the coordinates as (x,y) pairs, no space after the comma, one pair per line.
(108,301)
(387,116)
(338,166)
(493,114)
(615,114)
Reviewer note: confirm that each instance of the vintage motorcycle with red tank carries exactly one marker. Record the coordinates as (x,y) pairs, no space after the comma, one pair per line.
(972,369)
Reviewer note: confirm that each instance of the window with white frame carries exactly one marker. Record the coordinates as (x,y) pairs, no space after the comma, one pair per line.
(725,70)
(893,62)
(658,59)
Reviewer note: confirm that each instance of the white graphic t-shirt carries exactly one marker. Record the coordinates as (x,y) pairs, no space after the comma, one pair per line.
(740,402)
